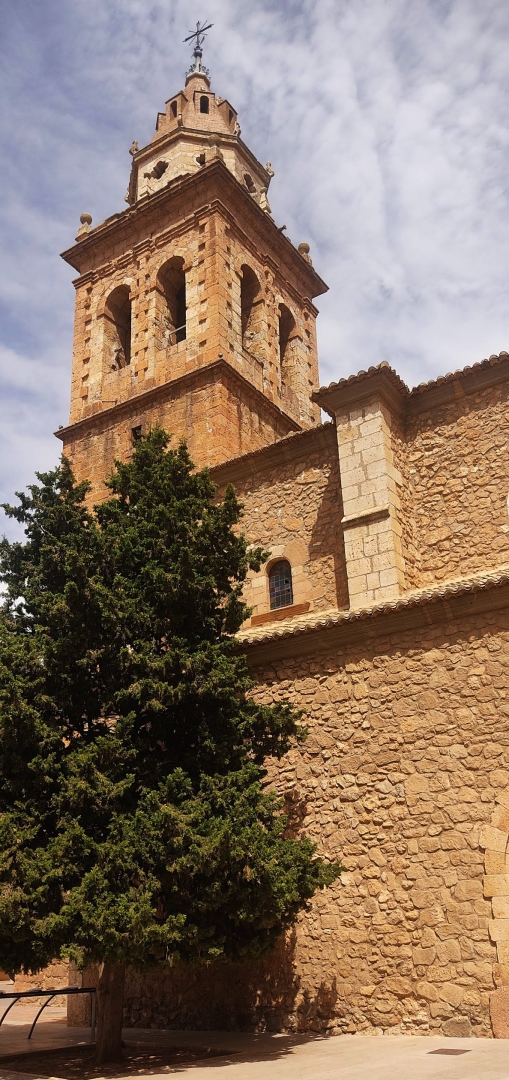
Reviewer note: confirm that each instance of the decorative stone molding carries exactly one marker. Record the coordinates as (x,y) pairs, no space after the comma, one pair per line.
(281,613)
(366,517)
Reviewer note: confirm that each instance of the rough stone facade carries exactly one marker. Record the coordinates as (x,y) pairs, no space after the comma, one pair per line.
(394,519)
(53,977)
(457,475)
(291,494)
(406,759)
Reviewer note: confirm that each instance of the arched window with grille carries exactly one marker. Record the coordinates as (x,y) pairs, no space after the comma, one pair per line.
(280,585)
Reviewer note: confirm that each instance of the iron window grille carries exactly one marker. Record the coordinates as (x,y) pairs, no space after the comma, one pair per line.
(280,585)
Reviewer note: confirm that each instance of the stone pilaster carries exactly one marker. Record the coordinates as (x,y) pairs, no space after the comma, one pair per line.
(365,411)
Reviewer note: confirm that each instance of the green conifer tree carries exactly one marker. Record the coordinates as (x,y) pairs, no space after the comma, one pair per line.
(135,827)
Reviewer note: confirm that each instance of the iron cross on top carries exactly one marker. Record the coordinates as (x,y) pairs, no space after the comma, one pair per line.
(198,35)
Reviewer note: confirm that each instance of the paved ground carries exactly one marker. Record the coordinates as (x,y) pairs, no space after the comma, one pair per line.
(282,1057)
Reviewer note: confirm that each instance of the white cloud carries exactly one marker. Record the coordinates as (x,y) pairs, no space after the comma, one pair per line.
(386,124)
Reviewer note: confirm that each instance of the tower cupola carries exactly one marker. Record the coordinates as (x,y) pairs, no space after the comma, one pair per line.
(195,128)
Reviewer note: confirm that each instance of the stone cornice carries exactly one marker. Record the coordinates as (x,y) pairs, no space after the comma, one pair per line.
(466,381)
(176,230)
(214,181)
(366,517)
(378,382)
(294,447)
(174,388)
(383,381)
(160,143)
(335,630)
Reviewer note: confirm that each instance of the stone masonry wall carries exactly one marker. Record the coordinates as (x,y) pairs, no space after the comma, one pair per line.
(407,754)
(405,490)
(52,977)
(218,418)
(455,499)
(292,506)
(371,484)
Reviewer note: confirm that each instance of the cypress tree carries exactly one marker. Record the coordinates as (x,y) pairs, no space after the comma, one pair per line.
(136,826)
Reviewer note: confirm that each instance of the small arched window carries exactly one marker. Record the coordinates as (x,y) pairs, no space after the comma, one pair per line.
(173,108)
(158,171)
(280,585)
(204,104)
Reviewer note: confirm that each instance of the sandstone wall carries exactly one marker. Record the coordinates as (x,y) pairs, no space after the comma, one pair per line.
(402,450)
(457,467)
(443,458)
(211,226)
(51,978)
(291,495)
(407,755)
(215,413)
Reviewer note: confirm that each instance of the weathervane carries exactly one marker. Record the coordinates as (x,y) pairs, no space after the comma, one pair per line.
(198,36)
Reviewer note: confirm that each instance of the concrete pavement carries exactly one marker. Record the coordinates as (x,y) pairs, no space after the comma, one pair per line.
(282,1057)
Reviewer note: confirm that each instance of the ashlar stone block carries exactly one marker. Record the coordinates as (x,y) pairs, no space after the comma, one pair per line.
(499,930)
(496,885)
(372,485)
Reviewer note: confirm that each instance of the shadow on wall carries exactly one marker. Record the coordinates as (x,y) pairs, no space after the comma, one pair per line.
(263,995)
(326,538)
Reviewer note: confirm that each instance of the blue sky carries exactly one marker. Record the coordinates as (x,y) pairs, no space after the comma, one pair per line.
(386,123)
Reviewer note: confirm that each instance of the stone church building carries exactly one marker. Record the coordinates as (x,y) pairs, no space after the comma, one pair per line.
(383,610)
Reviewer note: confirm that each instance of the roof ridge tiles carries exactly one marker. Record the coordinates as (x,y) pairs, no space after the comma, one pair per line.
(361,375)
(490,361)
(333,617)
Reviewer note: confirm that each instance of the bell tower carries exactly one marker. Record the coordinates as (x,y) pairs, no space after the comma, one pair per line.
(193,310)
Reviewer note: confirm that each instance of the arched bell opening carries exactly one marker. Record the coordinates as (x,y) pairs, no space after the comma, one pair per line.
(117,334)
(250,305)
(293,388)
(286,325)
(171,292)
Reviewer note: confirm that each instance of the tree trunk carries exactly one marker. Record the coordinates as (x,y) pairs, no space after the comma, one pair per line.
(110,1005)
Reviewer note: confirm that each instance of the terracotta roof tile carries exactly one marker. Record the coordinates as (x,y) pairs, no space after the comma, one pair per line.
(317,620)
(491,361)
(361,375)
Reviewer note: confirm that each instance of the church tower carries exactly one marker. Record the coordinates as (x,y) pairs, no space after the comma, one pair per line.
(193,310)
